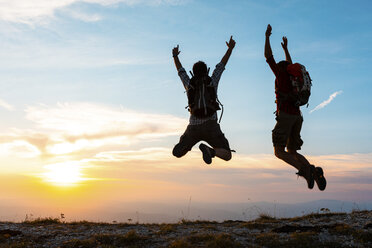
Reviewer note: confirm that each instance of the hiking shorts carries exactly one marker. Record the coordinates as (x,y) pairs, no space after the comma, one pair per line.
(209,131)
(287,130)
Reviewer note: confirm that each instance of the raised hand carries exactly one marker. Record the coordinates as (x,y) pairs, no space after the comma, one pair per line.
(268,30)
(175,51)
(285,42)
(231,43)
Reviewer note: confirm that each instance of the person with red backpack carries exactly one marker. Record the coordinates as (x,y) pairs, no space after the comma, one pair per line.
(292,89)
(203,105)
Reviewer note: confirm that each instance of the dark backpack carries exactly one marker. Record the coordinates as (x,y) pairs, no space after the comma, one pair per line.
(202,97)
(301,84)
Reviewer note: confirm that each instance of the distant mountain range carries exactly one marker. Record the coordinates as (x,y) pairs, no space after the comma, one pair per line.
(143,212)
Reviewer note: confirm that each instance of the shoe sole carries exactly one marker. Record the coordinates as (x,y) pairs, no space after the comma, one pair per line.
(207,157)
(320,179)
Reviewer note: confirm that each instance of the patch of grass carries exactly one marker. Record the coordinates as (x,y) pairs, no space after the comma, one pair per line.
(342,229)
(88,223)
(77,243)
(180,243)
(43,221)
(221,240)
(304,239)
(17,245)
(199,238)
(4,238)
(254,225)
(195,222)
(331,244)
(210,227)
(266,218)
(268,239)
(364,237)
(166,228)
(316,216)
(130,238)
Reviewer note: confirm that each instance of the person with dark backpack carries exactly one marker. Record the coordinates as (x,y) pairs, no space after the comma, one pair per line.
(292,89)
(203,104)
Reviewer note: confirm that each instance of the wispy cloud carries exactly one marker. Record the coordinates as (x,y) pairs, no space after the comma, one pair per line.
(326,102)
(82,53)
(70,128)
(153,169)
(29,12)
(7,106)
(84,16)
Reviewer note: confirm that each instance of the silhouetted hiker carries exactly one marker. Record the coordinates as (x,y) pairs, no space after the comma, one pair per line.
(286,132)
(203,105)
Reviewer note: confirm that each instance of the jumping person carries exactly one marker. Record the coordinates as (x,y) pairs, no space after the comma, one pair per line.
(203,105)
(286,133)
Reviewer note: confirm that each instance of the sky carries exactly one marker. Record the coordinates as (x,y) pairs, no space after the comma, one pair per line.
(91,104)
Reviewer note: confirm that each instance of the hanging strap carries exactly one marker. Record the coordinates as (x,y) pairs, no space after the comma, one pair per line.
(218,101)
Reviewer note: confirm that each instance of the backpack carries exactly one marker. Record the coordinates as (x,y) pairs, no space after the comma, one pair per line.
(301,83)
(202,97)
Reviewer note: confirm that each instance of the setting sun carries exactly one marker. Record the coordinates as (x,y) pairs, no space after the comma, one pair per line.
(64,174)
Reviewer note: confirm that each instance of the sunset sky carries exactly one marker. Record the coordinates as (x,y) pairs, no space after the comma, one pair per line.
(91,104)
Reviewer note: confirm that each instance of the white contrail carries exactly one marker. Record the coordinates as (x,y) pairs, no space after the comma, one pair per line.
(326,102)
(7,106)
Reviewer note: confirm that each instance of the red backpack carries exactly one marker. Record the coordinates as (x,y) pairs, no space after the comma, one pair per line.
(301,83)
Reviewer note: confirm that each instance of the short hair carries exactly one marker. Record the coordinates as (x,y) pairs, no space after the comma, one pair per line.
(199,68)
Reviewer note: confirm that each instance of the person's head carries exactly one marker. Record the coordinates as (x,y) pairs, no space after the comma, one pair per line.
(199,69)
(283,66)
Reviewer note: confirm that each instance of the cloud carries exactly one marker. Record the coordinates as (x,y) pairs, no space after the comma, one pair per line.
(84,16)
(28,12)
(71,128)
(258,176)
(326,102)
(91,121)
(89,52)
(18,148)
(5,105)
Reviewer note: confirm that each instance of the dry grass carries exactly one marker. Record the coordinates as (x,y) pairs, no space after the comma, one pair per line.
(266,231)
(221,240)
(131,238)
(255,225)
(267,239)
(43,221)
(166,229)
(316,216)
(364,237)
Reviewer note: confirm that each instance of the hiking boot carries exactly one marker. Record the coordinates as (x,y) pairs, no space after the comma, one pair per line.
(308,174)
(319,178)
(208,153)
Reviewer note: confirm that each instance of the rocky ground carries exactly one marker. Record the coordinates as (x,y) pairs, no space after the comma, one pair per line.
(314,230)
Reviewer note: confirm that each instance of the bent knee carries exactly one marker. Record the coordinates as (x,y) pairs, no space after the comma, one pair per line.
(178,151)
(292,151)
(228,156)
(279,154)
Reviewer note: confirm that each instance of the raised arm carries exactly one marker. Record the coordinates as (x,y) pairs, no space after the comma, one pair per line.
(285,48)
(268,51)
(230,45)
(177,61)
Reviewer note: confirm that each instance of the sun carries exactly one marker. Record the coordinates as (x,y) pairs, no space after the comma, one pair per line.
(64,174)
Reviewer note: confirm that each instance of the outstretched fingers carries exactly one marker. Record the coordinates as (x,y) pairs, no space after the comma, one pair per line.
(231,43)
(175,51)
(268,30)
(285,42)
